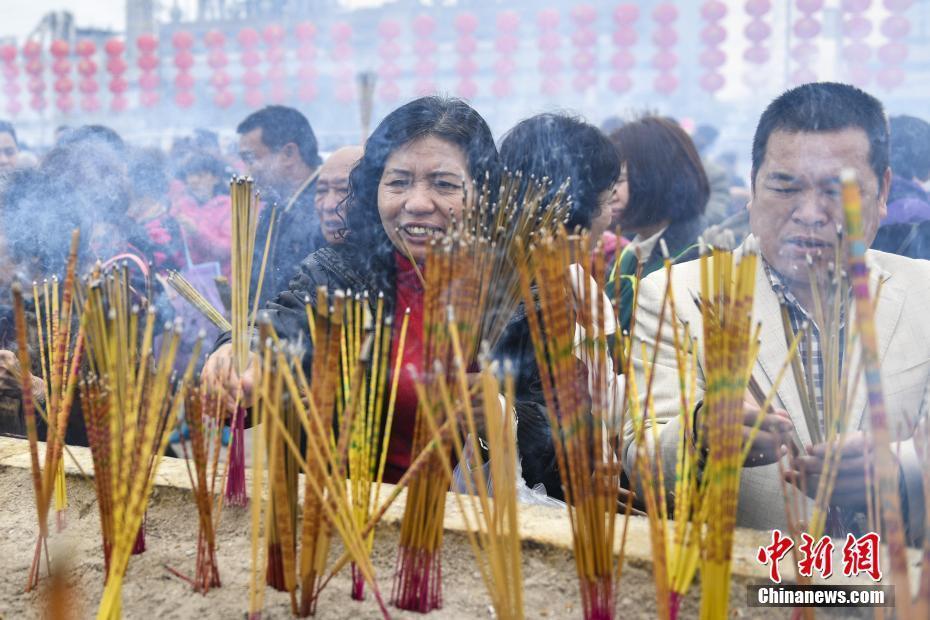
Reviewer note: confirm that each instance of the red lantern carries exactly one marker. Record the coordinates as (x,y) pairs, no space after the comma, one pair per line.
(624,37)
(807,28)
(466,23)
(118,85)
(252,78)
(423,25)
(467,88)
(714,10)
(37,103)
(890,78)
(664,60)
(59,48)
(712,82)
(116,65)
(220,80)
(224,99)
(307,92)
(548,19)
(146,43)
(86,67)
(506,44)
(551,86)
(216,59)
(305,31)
(620,83)
(148,81)
(466,45)
(666,83)
(7,53)
(626,14)
(63,86)
(665,14)
(64,103)
(184,60)
(61,66)
(248,37)
(114,47)
(31,50)
(183,81)
(466,67)
(214,38)
(149,98)
(273,34)
(88,86)
(341,32)
(85,48)
(34,66)
(184,98)
(90,104)
(584,13)
(665,37)
(147,62)
(182,40)
(758,8)
(341,52)
(424,47)
(508,21)
(757,54)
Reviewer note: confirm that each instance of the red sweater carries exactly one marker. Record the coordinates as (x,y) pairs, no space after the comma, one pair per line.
(409,295)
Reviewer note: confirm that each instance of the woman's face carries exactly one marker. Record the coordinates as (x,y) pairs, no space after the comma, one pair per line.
(422,192)
(201,185)
(619,196)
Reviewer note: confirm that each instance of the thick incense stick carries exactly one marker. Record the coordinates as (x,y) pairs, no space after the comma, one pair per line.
(886,465)
(195,298)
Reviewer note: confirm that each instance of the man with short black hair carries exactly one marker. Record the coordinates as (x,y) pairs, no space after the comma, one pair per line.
(279,148)
(803,141)
(9,147)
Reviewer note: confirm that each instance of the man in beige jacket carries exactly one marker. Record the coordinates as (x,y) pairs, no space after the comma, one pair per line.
(804,139)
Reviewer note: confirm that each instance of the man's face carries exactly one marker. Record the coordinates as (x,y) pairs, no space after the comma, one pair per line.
(796,211)
(263,164)
(8,152)
(332,187)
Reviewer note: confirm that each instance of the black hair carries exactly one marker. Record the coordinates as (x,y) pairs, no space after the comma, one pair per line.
(199,161)
(280,126)
(7,127)
(448,119)
(824,107)
(560,148)
(94,134)
(148,173)
(910,147)
(664,172)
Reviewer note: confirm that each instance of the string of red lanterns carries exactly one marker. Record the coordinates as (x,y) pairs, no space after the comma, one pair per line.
(33,66)
(87,70)
(712,36)
(306,55)
(856,52)
(116,67)
(11,87)
(550,63)
(664,38)
(624,38)
(584,40)
(424,48)
(275,57)
(249,58)
(806,28)
(147,61)
(343,75)
(183,42)
(894,52)
(506,44)
(465,46)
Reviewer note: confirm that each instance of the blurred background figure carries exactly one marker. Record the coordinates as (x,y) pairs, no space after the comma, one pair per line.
(156,232)
(9,147)
(905,229)
(718,204)
(666,192)
(332,189)
(202,209)
(279,149)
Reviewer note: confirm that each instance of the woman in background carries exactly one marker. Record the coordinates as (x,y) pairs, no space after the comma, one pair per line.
(662,194)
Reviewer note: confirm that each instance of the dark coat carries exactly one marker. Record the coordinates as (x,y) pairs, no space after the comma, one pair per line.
(681,239)
(296,234)
(337,268)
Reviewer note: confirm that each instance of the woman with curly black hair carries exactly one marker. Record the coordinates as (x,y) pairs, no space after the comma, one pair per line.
(409,185)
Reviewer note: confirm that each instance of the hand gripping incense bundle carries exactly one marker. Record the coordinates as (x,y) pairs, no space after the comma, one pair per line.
(60,355)
(569,325)
(245,207)
(131,401)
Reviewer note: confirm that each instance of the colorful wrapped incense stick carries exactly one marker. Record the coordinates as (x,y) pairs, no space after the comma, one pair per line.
(884,459)
(60,352)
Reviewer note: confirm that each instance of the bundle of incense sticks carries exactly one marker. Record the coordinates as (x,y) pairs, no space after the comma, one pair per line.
(203,412)
(472,270)
(195,298)
(569,327)
(921,606)
(324,462)
(372,418)
(886,466)
(60,354)
(245,207)
(491,524)
(731,343)
(677,545)
(130,401)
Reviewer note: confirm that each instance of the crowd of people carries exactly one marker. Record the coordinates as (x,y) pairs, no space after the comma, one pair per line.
(362,217)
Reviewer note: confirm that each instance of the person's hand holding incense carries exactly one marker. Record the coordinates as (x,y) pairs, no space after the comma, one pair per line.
(11,378)
(772,438)
(849,488)
(479,408)
(220,374)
